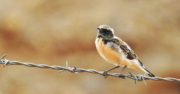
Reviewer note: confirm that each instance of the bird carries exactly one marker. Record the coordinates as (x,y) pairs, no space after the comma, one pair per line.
(114,50)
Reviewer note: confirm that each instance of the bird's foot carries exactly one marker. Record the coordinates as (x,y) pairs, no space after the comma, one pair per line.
(121,76)
(105,74)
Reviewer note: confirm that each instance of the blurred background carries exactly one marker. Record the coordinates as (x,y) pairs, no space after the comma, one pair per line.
(55,31)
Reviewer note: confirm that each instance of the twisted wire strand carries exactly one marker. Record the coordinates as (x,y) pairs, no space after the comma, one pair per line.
(78,70)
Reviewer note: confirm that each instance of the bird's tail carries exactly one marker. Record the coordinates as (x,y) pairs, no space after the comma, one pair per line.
(149,73)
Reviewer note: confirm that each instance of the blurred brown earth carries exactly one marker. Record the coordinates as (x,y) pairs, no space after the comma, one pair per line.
(55,31)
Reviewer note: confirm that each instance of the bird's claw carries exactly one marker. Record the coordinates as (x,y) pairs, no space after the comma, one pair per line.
(121,76)
(105,74)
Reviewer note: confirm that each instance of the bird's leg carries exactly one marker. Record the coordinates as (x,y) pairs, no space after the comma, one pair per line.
(120,75)
(106,71)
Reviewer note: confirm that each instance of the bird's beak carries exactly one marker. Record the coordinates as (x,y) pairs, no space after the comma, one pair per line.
(98,28)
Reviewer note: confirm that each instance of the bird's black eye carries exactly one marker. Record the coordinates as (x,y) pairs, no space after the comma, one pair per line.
(106,32)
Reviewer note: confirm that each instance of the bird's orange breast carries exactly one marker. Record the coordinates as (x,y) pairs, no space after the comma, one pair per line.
(109,54)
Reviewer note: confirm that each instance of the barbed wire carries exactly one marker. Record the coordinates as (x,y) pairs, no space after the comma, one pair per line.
(78,70)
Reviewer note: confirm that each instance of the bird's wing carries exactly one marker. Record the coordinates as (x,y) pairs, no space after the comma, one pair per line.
(125,48)
(130,53)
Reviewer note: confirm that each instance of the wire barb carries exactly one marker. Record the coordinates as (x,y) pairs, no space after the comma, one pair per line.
(78,70)
(135,79)
(5,61)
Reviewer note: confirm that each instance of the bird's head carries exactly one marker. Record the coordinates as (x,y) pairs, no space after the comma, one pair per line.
(105,31)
